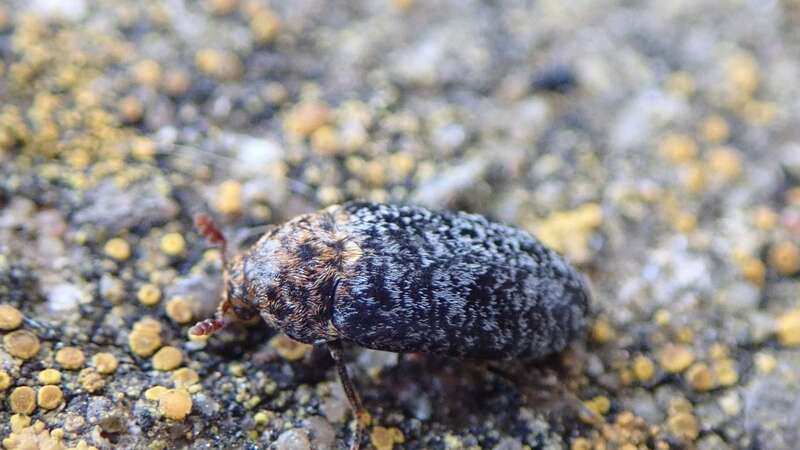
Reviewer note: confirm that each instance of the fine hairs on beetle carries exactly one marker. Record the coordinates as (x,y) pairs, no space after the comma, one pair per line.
(403,279)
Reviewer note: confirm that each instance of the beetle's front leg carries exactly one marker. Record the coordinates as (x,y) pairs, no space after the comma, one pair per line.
(361,414)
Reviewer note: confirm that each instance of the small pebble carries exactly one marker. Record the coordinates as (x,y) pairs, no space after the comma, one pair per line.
(50,376)
(294,439)
(179,310)
(118,249)
(105,363)
(167,358)
(175,404)
(49,397)
(149,294)
(21,344)
(10,317)
(70,358)
(23,400)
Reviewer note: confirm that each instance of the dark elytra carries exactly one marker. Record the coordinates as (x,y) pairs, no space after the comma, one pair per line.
(404,279)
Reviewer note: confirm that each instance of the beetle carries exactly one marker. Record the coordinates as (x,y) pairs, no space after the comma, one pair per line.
(403,279)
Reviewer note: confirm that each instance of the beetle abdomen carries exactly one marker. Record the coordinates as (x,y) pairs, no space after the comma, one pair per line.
(455,284)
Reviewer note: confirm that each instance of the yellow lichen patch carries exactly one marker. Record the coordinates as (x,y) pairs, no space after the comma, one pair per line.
(173,244)
(743,74)
(118,249)
(753,270)
(91,381)
(385,438)
(175,404)
(643,368)
(149,294)
(700,377)
(765,218)
(788,328)
(715,129)
(22,400)
(167,358)
(569,232)
(681,83)
(19,421)
(154,393)
(50,376)
(785,257)
(684,425)
(675,358)
(5,380)
(325,140)
(179,310)
(264,25)
(49,397)
(185,377)
(725,372)
(10,317)
(288,348)
(599,405)
(220,64)
(21,344)
(602,331)
(581,444)
(147,72)
(678,148)
(305,118)
(70,358)
(82,445)
(144,343)
(229,198)
(765,362)
(724,162)
(35,437)
(147,325)
(105,363)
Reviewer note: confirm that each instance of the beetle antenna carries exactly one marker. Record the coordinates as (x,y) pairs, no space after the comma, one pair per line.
(206,226)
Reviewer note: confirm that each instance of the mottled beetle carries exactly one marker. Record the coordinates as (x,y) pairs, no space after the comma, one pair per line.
(403,279)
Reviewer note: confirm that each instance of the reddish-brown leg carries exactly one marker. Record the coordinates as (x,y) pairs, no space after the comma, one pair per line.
(361,414)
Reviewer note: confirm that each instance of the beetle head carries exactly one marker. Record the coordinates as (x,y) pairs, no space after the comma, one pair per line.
(234,304)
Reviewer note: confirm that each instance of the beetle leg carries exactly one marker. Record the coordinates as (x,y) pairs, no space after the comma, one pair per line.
(361,414)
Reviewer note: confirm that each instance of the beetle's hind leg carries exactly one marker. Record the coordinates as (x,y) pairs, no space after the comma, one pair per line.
(361,414)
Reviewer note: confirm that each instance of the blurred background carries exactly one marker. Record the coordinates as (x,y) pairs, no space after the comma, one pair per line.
(655,144)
